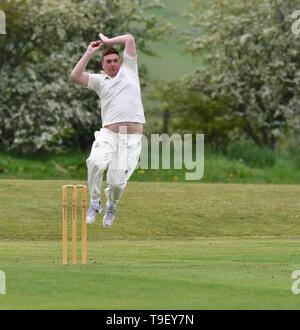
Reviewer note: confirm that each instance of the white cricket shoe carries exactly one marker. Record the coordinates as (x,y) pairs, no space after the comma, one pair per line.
(109,216)
(92,213)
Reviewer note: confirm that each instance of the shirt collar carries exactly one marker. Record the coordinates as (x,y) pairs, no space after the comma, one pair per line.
(105,76)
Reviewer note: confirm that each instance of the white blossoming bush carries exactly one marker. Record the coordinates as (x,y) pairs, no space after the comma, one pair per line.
(251,56)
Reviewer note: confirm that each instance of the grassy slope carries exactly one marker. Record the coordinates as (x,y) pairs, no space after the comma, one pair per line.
(158,210)
(171,62)
(173,246)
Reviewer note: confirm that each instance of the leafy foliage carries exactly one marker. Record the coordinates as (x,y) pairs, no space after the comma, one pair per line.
(251,57)
(197,112)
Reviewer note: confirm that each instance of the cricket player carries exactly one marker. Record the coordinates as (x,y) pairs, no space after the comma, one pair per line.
(117,145)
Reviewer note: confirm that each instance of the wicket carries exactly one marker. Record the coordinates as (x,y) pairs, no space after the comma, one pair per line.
(74,223)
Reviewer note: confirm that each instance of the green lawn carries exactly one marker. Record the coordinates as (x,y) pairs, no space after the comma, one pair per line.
(202,273)
(173,246)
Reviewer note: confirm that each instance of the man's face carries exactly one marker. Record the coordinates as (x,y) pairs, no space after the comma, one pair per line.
(111,64)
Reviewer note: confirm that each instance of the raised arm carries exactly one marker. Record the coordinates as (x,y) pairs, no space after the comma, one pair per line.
(78,74)
(127,40)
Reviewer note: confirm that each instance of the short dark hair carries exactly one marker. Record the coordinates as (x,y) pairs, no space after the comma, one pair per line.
(109,51)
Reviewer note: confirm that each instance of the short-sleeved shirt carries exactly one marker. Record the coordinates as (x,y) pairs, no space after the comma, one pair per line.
(120,96)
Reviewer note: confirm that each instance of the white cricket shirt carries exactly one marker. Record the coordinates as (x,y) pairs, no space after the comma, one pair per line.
(120,96)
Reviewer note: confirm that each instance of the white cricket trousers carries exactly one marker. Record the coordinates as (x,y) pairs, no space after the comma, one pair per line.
(120,154)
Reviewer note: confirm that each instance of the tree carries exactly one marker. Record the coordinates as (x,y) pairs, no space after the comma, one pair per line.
(186,110)
(252,57)
(40,108)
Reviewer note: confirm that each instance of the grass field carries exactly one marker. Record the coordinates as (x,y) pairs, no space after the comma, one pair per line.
(173,246)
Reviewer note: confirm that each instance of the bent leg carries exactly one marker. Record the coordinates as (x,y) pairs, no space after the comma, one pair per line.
(118,176)
(100,156)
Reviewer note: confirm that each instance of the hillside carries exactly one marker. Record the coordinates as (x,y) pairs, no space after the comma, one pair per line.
(172,62)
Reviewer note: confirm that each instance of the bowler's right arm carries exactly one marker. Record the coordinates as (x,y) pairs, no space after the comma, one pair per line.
(78,74)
